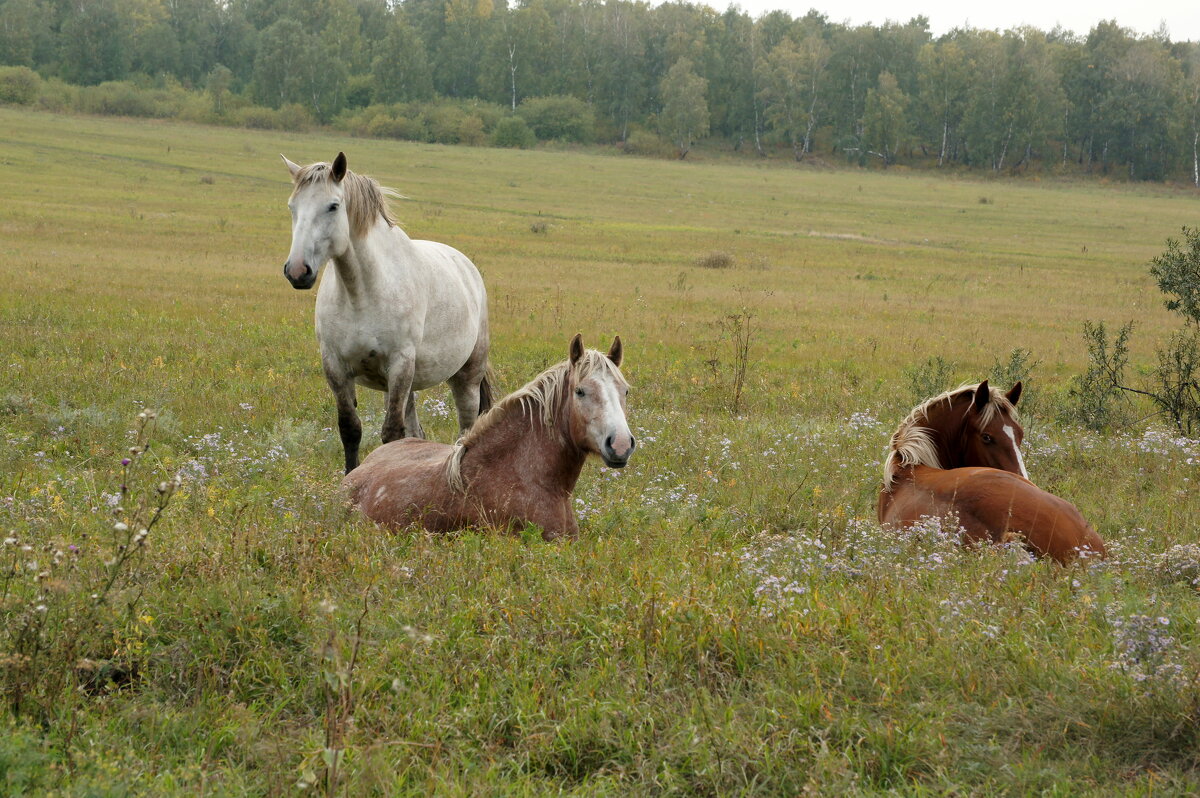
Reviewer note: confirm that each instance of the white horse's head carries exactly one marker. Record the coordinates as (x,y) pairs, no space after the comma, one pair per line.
(597,405)
(320,224)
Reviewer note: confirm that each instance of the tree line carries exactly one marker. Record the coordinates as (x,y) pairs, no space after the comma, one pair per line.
(1110,101)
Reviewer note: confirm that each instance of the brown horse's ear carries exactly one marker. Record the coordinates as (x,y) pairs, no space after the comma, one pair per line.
(294,168)
(616,351)
(576,348)
(339,167)
(1014,393)
(983,395)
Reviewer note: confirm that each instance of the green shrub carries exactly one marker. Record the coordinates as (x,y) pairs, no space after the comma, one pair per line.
(19,85)
(385,126)
(560,118)
(513,132)
(257,117)
(296,117)
(470,131)
(118,98)
(55,95)
(444,123)
(645,142)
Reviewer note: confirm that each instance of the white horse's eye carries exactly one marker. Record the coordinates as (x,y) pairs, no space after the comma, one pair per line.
(579,392)
(333,206)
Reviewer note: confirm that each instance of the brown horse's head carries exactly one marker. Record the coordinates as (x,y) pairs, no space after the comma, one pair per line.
(975,425)
(595,394)
(989,434)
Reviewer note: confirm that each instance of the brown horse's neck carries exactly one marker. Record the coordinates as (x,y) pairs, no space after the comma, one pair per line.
(946,431)
(522,448)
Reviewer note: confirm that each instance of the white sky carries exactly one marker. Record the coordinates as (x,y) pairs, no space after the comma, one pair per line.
(1181,16)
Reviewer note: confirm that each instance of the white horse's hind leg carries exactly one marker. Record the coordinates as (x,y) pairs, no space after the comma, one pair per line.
(466,400)
(412,425)
(399,394)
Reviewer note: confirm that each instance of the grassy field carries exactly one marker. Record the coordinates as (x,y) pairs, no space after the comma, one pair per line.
(730,621)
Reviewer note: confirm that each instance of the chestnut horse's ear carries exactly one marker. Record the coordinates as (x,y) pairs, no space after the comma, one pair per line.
(616,351)
(983,395)
(1014,393)
(339,167)
(576,348)
(294,168)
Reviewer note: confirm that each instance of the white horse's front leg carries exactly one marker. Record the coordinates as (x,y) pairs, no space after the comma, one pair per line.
(349,427)
(400,377)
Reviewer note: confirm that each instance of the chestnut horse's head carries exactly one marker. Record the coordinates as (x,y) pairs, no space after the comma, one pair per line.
(975,425)
(990,434)
(595,403)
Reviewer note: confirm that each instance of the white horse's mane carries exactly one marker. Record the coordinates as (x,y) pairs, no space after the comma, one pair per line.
(912,444)
(366,200)
(537,398)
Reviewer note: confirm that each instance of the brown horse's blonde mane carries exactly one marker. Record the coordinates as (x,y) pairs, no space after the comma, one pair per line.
(365,199)
(538,398)
(912,444)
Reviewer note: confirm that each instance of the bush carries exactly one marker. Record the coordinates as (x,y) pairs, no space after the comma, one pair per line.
(470,131)
(444,123)
(513,132)
(19,85)
(560,118)
(385,126)
(118,98)
(55,95)
(644,142)
(296,117)
(256,117)
(716,259)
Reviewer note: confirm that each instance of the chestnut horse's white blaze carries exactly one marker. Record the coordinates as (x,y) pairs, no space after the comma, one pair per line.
(394,314)
(1012,436)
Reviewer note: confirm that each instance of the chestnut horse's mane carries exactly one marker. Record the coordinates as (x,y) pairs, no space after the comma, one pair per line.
(912,442)
(365,198)
(539,397)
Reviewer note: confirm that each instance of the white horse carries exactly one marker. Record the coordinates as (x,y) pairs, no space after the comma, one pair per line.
(393,314)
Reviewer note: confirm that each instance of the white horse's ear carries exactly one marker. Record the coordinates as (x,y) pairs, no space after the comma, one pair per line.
(294,168)
(983,395)
(339,167)
(1014,393)
(576,348)
(616,351)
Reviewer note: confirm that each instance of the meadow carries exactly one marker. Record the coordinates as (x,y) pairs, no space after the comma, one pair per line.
(730,621)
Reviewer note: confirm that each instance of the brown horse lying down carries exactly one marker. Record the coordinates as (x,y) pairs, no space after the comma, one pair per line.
(518,464)
(958,456)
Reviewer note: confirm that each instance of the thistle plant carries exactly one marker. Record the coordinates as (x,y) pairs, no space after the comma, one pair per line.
(69,601)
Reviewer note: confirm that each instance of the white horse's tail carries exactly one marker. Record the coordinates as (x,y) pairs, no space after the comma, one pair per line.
(485,389)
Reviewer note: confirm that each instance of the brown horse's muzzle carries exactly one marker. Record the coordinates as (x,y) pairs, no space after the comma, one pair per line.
(616,452)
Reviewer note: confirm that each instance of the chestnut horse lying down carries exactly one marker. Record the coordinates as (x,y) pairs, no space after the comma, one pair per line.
(517,465)
(958,456)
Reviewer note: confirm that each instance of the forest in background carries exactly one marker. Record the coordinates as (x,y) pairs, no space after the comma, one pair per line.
(654,79)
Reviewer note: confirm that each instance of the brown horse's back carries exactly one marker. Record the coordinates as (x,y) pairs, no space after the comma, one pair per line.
(404,482)
(989,505)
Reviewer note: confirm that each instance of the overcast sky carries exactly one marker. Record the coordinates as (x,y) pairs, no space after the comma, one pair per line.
(1181,16)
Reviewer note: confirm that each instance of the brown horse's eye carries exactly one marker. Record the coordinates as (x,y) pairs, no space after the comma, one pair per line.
(579,392)
(987,438)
